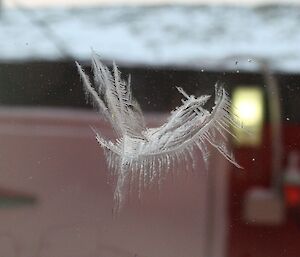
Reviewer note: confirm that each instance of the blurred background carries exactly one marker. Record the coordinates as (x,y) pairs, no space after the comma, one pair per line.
(55,199)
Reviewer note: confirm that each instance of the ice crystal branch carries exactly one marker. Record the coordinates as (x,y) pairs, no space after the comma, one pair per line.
(143,156)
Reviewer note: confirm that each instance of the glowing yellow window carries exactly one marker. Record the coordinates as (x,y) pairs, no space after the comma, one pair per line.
(248,105)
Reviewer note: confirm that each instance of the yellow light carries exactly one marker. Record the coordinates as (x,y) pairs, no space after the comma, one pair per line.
(249,107)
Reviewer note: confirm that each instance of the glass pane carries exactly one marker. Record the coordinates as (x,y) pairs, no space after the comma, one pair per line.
(213,171)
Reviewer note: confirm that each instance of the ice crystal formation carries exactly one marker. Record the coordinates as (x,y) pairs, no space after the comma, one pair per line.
(142,156)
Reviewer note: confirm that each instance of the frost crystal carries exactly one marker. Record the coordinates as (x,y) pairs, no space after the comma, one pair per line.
(142,156)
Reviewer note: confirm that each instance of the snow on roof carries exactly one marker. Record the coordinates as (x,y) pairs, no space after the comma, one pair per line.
(160,35)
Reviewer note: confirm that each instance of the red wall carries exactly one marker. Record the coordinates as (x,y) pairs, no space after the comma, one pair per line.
(252,240)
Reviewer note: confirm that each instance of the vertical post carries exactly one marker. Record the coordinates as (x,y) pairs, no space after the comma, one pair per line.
(275,118)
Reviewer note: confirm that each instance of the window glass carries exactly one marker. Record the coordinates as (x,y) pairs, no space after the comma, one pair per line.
(213,171)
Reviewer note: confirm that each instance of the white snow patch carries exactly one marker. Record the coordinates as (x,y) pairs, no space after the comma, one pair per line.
(161,35)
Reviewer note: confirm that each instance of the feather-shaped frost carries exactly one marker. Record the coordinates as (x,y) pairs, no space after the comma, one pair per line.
(143,156)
